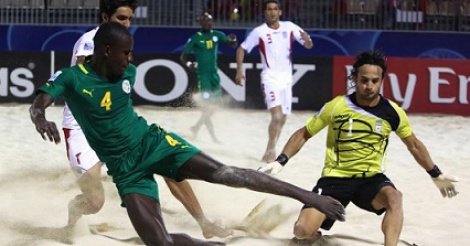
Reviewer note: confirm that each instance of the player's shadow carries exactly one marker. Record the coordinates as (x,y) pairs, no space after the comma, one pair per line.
(35,233)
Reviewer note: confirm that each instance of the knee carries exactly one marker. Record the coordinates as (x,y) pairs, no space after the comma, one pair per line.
(394,200)
(278,119)
(302,231)
(95,204)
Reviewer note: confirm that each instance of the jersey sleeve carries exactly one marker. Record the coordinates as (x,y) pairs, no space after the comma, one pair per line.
(222,37)
(132,70)
(323,118)
(404,127)
(296,31)
(84,46)
(188,47)
(56,84)
(251,41)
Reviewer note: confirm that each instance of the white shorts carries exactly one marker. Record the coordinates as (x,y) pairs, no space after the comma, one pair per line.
(277,92)
(81,156)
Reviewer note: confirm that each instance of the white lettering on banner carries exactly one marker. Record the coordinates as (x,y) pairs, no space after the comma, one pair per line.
(435,82)
(181,80)
(21,82)
(463,89)
(180,83)
(409,91)
(299,71)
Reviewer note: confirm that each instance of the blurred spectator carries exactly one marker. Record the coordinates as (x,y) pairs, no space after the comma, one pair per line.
(291,9)
(390,12)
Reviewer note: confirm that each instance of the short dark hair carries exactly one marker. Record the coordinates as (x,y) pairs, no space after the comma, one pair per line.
(109,7)
(266,2)
(110,33)
(371,57)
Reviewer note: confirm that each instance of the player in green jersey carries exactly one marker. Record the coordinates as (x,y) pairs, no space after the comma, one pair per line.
(359,126)
(98,93)
(205,46)
(83,158)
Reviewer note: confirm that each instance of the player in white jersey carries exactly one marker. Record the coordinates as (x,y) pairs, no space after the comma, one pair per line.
(274,39)
(83,159)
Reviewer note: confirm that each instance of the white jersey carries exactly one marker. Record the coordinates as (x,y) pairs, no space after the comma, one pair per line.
(83,47)
(275,46)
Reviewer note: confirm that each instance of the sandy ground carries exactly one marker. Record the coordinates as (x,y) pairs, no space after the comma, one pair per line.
(36,183)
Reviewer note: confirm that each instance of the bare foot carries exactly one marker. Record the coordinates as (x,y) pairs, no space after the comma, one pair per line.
(306,241)
(211,229)
(269,156)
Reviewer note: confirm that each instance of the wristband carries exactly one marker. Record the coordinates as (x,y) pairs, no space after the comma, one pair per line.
(282,159)
(434,172)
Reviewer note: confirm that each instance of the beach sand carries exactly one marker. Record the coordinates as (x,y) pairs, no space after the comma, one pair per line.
(37,184)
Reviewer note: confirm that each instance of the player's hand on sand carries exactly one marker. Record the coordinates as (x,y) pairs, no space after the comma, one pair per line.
(445,184)
(330,207)
(47,130)
(272,168)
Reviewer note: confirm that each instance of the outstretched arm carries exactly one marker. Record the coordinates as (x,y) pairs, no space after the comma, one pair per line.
(308,43)
(37,112)
(184,58)
(240,56)
(296,141)
(293,145)
(421,155)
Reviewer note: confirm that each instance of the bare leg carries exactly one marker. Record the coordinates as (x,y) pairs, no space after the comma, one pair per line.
(205,168)
(207,116)
(92,198)
(184,193)
(145,215)
(392,223)
(195,129)
(278,119)
(307,225)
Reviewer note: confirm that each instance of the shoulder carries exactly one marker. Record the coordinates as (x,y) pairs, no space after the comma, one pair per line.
(217,32)
(131,69)
(334,104)
(261,28)
(338,99)
(88,36)
(289,25)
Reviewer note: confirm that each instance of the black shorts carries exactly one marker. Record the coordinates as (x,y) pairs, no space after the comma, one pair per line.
(360,191)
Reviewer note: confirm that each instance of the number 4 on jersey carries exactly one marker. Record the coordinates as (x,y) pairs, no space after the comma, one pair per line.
(106,101)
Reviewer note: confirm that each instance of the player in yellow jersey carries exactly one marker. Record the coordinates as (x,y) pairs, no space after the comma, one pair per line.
(359,126)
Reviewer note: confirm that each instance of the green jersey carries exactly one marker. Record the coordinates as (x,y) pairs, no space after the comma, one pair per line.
(205,48)
(102,107)
(357,136)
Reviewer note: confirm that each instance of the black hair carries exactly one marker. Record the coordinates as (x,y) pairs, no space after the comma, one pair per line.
(109,7)
(204,15)
(266,2)
(110,33)
(372,57)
